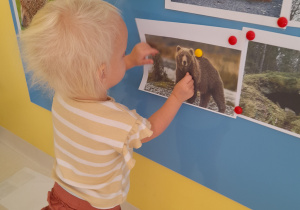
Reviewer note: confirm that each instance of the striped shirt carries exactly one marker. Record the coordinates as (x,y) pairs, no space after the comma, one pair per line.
(93,142)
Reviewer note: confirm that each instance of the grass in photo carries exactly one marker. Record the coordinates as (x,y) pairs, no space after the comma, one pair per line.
(271,86)
(219,68)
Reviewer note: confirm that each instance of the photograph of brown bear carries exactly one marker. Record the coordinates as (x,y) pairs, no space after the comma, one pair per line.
(187,62)
(271,86)
(215,74)
(206,78)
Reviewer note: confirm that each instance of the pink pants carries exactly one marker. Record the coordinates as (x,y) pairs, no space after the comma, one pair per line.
(59,199)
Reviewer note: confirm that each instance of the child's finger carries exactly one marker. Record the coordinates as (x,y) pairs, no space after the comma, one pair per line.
(147,61)
(148,50)
(191,84)
(187,75)
(191,80)
(188,78)
(152,51)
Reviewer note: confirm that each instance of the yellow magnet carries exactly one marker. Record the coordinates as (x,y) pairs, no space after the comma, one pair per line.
(198,53)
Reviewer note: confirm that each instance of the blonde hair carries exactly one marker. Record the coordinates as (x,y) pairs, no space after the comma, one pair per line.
(66,44)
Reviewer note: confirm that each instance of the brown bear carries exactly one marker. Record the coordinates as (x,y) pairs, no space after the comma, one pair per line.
(211,84)
(206,78)
(187,62)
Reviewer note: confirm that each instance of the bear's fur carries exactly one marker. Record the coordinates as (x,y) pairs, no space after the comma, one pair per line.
(187,62)
(211,84)
(206,78)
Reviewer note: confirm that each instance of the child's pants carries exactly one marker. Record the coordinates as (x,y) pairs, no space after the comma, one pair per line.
(59,199)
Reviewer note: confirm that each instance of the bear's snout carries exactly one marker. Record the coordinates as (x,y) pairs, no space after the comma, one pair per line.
(184,60)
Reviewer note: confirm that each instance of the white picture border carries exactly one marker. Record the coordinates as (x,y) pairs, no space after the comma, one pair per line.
(198,33)
(16,15)
(275,39)
(232,15)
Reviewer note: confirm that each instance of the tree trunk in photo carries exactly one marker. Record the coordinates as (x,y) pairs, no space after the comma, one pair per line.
(158,67)
(297,65)
(260,67)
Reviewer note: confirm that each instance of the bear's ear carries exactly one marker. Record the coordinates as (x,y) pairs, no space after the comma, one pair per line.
(191,51)
(178,48)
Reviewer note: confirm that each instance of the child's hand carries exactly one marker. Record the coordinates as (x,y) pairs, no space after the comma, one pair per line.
(138,55)
(184,89)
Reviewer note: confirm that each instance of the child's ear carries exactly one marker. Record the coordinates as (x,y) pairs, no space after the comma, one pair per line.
(102,72)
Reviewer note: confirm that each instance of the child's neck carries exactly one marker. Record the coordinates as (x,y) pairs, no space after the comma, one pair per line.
(105,98)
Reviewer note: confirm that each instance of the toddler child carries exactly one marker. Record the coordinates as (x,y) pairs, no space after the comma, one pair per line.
(77,49)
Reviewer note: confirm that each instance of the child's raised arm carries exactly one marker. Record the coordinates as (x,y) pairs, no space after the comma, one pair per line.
(138,55)
(161,119)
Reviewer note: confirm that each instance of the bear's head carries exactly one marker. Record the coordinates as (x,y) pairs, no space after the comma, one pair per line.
(184,57)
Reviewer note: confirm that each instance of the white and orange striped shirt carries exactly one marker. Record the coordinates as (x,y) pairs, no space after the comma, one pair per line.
(93,143)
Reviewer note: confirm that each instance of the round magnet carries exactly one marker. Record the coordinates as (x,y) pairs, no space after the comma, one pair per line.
(198,53)
(238,110)
(232,40)
(250,35)
(282,22)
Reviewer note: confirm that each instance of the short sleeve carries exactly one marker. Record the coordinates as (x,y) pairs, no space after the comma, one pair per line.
(141,129)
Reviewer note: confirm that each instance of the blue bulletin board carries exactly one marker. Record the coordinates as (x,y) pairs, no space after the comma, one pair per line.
(252,164)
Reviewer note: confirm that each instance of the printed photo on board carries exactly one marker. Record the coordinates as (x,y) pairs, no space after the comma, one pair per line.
(271,86)
(23,12)
(215,72)
(262,12)
(270,8)
(211,60)
(295,11)
(27,9)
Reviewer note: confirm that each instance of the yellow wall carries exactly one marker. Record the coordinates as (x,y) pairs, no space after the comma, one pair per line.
(152,185)
(17,113)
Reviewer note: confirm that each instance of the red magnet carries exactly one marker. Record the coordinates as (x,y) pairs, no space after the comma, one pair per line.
(232,40)
(282,22)
(250,35)
(238,110)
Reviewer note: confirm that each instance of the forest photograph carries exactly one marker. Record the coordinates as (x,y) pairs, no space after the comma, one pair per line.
(271,86)
(161,77)
(295,11)
(271,8)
